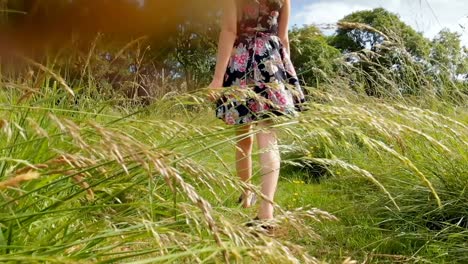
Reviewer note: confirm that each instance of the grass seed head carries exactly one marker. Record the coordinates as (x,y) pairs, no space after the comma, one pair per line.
(18,179)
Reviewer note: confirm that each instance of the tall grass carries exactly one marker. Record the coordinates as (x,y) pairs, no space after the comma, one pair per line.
(93,179)
(97,183)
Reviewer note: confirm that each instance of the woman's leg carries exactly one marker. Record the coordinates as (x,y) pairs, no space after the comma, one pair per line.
(244,159)
(270,167)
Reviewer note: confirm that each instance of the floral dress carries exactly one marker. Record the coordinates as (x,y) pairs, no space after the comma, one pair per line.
(260,75)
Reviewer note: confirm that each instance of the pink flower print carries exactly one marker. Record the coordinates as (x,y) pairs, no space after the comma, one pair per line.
(250,10)
(230,120)
(280,97)
(240,58)
(254,106)
(231,116)
(240,62)
(274,14)
(243,83)
(260,47)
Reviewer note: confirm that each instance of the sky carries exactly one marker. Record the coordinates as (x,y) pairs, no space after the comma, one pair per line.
(427,16)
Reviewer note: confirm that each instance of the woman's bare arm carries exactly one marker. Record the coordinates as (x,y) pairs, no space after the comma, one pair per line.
(283,27)
(227,38)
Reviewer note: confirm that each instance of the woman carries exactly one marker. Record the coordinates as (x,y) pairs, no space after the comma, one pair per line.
(253,55)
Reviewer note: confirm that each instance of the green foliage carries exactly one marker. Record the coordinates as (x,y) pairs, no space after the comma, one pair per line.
(194,48)
(385,57)
(448,54)
(313,58)
(390,24)
(384,49)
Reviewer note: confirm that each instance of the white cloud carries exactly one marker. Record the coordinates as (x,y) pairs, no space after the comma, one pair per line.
(428,16)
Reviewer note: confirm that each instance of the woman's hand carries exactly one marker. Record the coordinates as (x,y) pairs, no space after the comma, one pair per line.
(214,89)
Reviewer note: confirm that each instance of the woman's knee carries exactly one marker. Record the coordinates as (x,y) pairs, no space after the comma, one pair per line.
(267,140)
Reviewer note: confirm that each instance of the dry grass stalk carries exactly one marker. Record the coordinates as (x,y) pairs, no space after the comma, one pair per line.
(360,26)
(5,127)
(366,174)
(52,73)
(79,179)
(37,128)
(3,123)
(123,149)
(17,180)
(350,261)
(31,167)
(411,165)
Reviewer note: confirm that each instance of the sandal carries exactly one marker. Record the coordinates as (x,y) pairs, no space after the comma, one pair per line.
(264,225)
(253,199)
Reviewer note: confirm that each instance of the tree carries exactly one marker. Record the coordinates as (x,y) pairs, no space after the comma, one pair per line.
(354,39)
(448,55)
(386,57)
(312,57)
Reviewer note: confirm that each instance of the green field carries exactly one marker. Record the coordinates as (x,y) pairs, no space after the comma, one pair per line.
(103,182)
